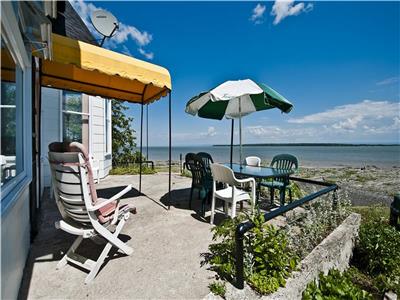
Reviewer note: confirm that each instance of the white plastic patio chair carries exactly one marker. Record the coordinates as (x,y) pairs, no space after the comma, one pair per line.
(230,193)
(83,213)
(253,161)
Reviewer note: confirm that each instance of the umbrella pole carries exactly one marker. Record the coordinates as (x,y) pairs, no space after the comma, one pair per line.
(141,148)
(240,129)
(147,132)
(169,149)
(233,124)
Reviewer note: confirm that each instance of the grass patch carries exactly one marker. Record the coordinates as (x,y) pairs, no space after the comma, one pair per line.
(165,168)
(372,213)
(186,173)
(331,180)
(349,173)
(131,170)
(217,288)
(364,178)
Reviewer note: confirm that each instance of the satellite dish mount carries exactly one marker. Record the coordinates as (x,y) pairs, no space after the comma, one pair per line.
(105,23)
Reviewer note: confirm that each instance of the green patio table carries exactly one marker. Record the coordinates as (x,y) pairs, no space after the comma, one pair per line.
(260,173)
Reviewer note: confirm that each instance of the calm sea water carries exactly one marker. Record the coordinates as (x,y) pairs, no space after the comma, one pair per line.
(323,156)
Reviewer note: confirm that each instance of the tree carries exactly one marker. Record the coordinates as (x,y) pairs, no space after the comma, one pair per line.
(123,136)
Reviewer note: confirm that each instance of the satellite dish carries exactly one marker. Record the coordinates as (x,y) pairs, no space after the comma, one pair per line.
(105,23)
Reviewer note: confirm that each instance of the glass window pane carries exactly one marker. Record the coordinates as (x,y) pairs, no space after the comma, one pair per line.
(11,156)
(72,101)
(75,118)
(72,128)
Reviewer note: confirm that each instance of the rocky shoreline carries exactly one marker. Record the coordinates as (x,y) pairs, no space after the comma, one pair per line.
(368,185)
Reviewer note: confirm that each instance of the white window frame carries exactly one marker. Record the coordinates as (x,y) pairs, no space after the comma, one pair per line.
(12,36)
(108,127)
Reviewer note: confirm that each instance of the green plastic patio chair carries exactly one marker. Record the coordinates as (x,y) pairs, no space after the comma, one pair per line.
(207,161)
(201,180)
(283,162)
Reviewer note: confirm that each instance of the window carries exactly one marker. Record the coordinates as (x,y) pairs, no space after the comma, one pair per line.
(75,120)
(107,129)
(11,156)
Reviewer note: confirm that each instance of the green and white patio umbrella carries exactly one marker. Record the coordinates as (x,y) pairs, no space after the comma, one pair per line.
(235,99)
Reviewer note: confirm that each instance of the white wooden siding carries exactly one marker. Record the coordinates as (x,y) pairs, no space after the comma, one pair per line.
(51,131)
(97,134)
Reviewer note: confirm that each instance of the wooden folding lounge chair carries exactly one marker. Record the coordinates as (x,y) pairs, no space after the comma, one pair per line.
(83,213)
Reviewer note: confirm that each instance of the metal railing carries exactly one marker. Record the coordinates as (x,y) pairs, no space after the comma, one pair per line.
(242,228)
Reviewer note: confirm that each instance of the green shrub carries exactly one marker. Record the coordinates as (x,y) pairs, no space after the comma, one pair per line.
(321,217)
(378,248)
(388,282)
(377,253)
(221,257)
(334,285)
(217,288)
(268,261)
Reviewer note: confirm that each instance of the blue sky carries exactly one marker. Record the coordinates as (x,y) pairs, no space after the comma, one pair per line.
(337,62)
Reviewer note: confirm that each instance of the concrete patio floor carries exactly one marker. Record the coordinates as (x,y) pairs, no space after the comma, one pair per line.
(167,245)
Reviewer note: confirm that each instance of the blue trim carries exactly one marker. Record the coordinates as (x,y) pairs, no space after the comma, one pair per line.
(25,177)
(11,198)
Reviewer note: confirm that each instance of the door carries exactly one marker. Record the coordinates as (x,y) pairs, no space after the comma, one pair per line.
(35,184)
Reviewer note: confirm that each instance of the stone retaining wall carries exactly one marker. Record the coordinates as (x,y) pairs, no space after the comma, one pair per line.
(334,251)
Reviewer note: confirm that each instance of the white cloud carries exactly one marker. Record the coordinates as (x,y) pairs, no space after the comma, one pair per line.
(126,51)
(366,121)
(387,81)
(127,31)
(148,55)
(349,124)
(124,33)
(210,132)
(258,14)
(352,113)
(285,8)
(382,129)
(274,133)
